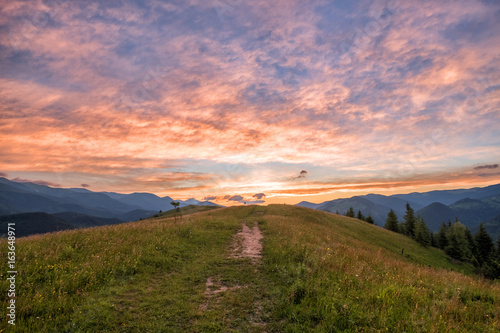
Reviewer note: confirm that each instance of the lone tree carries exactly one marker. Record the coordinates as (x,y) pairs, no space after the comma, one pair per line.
(370,220)
(360,216)
(392,222)
(177,209)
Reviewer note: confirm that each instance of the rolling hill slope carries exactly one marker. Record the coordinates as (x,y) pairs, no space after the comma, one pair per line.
(319,272)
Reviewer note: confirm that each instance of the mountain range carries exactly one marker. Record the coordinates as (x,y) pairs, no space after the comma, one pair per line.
(60,209)
(470,206)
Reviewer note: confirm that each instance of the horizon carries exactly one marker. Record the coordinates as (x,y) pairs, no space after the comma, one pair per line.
(231,101)
(240,202)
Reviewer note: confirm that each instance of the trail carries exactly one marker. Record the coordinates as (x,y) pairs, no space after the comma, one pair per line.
(248,244)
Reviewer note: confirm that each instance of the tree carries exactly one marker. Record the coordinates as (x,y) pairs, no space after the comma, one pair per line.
(392,223)
(360,216)
(471,243)
(458,247)
(370,220)
(350,212)
(177,209)
(410,221)
(441,237)
(485,246)
(422,233)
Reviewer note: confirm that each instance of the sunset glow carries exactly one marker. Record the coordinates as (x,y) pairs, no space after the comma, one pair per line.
(215,99)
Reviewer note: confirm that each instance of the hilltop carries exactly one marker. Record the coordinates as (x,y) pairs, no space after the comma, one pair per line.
(316,272)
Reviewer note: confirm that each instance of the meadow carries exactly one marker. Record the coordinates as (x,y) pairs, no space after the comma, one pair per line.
(319,272)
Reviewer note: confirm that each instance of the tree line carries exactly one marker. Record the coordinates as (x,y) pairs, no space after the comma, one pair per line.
(455,239)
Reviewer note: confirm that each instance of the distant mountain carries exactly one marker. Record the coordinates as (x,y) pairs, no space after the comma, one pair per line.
(147,201)
(395,203)
(470,212)
(447,197)
(435,214)
(33,223)
(469,206)
(473,211)
(191,201)
(377,212)
(307,204)
(29,197)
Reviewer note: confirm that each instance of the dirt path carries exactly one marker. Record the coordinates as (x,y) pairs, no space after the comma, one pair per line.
(248,244)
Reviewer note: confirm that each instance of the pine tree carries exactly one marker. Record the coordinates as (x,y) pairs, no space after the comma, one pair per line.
(410,221)
(441,238)
(360,216)
(485,246)
(392,222)
(458,247)
(422,233)
(471,243)
(370,220)
(433,240)
(350,212)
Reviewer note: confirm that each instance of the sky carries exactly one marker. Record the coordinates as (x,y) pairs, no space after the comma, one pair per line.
(256,101)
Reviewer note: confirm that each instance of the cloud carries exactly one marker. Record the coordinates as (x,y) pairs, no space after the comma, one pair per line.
(209,198)
(237,198)
(487,166)
(85,185)
(494,174)
(112,93)
(38,182)
(259,196)
(302,174)
(3,174)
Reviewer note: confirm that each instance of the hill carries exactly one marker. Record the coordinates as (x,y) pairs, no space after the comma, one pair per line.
(436,213)
(318,272)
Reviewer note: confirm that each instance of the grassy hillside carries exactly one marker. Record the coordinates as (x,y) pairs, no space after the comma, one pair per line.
(319,273)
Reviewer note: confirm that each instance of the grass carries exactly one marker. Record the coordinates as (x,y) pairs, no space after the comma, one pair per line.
(320,273)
